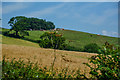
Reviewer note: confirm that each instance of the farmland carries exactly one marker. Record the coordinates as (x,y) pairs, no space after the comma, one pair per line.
(27,50)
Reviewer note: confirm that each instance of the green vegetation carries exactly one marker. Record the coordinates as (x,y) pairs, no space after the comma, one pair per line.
(21,70)
(18,25)
(24,23)
(80,39)
(77,40)
(52,40)
(92,48)
(106,64)
(15,41)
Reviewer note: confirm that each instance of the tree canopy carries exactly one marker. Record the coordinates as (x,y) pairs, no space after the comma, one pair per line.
(52,40)
(21,23)
(32,23)
(18,25)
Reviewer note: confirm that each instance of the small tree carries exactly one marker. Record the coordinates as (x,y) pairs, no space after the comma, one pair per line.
(52,40)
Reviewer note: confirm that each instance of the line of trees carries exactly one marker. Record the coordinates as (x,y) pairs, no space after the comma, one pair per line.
(21,23)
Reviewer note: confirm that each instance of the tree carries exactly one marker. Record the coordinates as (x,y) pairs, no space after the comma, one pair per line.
(18,24)
(29,23)
(52,40)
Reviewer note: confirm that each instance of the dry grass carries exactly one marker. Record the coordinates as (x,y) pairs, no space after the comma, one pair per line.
(71,59)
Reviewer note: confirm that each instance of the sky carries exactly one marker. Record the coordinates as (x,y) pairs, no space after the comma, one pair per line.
(92,17)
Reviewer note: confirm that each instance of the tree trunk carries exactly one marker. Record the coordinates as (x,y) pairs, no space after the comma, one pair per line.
(16,33)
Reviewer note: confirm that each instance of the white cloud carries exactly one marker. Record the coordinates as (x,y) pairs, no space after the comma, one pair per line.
(12,8)
(46,11)
(60,0)
(106,33)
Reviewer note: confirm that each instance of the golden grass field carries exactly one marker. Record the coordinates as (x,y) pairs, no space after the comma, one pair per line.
(64,59)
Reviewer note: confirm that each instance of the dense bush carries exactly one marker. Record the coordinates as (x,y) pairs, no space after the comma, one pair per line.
(52,40)
(72,48)
(108,49)
(92,48)
(106,65)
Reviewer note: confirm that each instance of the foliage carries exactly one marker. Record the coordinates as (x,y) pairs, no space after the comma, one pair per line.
(39,24)
(93,48)
(20,70)
(108,49)
(24,23)
(18,24)
(72,48)
(106,67)
(52,40)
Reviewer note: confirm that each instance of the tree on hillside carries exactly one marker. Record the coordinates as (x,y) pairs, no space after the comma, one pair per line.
(21,23)
(52,40)
(18,24)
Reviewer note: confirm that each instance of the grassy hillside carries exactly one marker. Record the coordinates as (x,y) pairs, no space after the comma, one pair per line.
(15,41)
(79,39)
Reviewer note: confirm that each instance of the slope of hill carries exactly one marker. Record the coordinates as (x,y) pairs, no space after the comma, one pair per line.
(15,41)
(79,39)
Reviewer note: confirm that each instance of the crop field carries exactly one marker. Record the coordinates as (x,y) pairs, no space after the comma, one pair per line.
(64,59)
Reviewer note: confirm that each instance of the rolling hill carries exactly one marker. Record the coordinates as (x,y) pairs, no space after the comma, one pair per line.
(78,39)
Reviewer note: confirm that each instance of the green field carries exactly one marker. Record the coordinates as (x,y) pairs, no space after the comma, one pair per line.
(15,41)
(79,39)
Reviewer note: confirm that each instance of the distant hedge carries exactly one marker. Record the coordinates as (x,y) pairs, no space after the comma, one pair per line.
(92,48)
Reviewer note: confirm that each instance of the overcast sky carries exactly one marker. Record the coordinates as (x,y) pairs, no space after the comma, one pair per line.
(92,17)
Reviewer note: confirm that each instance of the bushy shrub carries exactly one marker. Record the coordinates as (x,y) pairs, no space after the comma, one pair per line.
(108,49)
(92,48)
(106,65)
(72,48)
(52,40)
